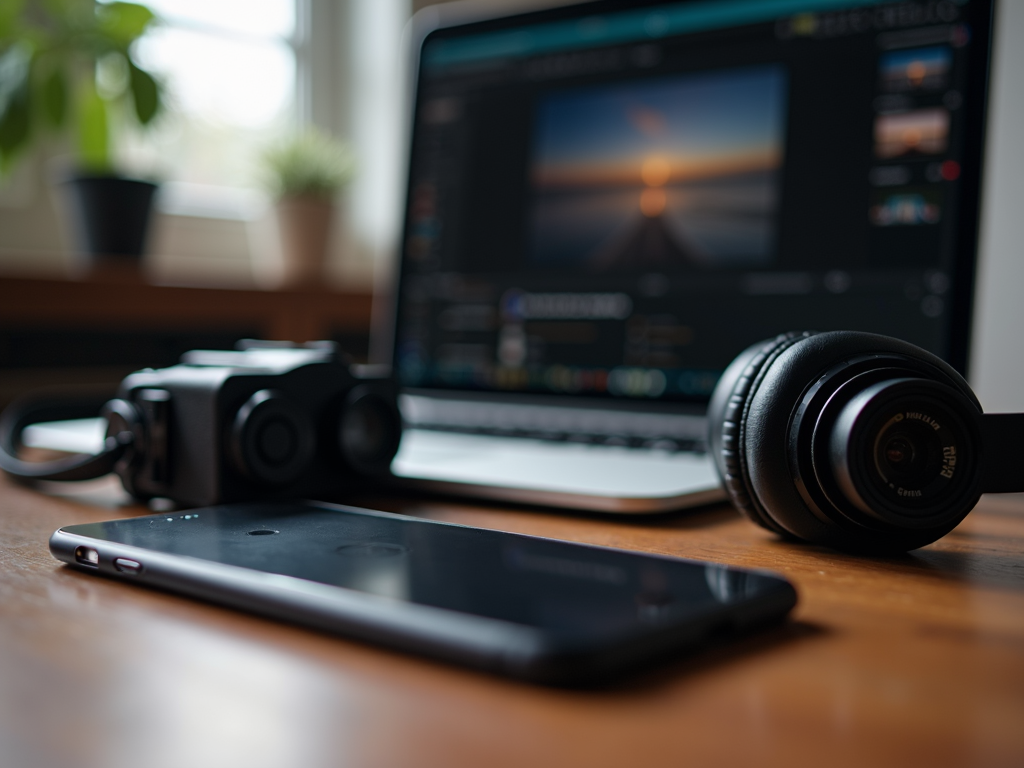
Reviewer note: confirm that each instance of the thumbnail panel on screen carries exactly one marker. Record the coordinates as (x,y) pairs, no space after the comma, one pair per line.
(665,174)
(917,132)
(922,68)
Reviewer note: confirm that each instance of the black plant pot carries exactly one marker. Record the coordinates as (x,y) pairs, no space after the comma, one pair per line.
(111,214)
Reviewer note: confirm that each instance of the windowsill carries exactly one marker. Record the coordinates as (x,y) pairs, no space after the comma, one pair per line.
(206,201)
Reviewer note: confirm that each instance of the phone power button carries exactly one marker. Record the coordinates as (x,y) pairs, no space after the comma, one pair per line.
(131,567)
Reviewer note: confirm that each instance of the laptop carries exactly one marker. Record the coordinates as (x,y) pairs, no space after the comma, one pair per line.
(608,201)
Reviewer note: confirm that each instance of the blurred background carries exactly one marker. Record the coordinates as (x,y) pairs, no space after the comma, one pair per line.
(248,92)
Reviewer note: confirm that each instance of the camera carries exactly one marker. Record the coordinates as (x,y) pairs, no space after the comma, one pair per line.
(264,421)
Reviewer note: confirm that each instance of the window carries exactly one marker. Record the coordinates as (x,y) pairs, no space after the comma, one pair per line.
(238,74)
(229,69)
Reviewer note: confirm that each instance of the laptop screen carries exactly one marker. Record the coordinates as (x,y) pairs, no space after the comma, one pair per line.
(614,199)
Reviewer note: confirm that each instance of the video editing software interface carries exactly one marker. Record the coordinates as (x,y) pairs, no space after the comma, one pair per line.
(616,205)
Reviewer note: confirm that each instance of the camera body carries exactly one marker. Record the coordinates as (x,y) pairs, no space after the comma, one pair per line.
(260,422)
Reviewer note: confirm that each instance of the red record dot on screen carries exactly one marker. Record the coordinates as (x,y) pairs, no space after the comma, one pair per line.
(951,170)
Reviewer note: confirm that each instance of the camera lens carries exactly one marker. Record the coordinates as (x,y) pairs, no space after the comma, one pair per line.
(276,442)
(363,432)
(908,453)
(369,431)
(272,439)
(899,453)
(903,450)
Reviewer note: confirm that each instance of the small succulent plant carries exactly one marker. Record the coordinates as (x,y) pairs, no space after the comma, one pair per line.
(307,164)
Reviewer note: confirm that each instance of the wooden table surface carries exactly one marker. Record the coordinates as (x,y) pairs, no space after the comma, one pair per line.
(915,660)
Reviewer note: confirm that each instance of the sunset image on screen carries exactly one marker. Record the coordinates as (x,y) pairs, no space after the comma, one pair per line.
(921,131)
(921,68)
(659,174)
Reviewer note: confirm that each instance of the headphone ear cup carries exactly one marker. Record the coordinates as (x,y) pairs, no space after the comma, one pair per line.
(727,423)
(764,444)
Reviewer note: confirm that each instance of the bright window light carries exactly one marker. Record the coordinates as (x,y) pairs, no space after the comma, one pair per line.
(229,72)
(264,18)
(219,80)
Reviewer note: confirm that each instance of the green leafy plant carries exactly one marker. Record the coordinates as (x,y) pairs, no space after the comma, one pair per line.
(310,163)
(67,64)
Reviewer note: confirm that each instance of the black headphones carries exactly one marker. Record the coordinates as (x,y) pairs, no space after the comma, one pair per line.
(857,441)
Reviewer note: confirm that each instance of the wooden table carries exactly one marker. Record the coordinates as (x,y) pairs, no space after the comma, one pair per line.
(909,661)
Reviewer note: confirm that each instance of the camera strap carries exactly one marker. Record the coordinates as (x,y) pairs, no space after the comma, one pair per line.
(33,410)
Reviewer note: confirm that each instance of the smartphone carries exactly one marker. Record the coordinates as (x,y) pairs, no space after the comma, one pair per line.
(539,609)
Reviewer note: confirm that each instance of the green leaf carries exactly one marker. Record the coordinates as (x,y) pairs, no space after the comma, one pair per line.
(54,93)
(93,133)
(123,22)
(10,10)
(145,93)
(15,64)
(15,126)
(15,101)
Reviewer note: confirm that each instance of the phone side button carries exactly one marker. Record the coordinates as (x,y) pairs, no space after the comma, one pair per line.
(131,567)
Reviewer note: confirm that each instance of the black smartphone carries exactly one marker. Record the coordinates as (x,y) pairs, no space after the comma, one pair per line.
(545,610)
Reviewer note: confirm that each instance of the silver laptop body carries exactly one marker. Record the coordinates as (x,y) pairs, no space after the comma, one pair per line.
(579,457)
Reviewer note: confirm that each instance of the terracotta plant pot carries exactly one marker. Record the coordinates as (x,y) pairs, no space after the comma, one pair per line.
(305,224)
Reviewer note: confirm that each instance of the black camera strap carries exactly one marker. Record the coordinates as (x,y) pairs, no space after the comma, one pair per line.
(33,410)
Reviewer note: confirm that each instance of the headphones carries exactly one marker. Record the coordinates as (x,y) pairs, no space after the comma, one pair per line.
(857,441)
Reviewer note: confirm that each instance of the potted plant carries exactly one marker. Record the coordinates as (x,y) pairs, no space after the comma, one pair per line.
(67,66)
(304,173)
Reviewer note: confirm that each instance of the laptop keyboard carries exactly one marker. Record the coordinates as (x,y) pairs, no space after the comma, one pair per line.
(646,431)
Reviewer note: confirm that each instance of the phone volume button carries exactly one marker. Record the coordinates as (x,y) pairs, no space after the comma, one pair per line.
(130,567)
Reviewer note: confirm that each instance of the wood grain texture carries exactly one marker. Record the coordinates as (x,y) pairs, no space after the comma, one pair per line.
(915,660)
(125,300)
